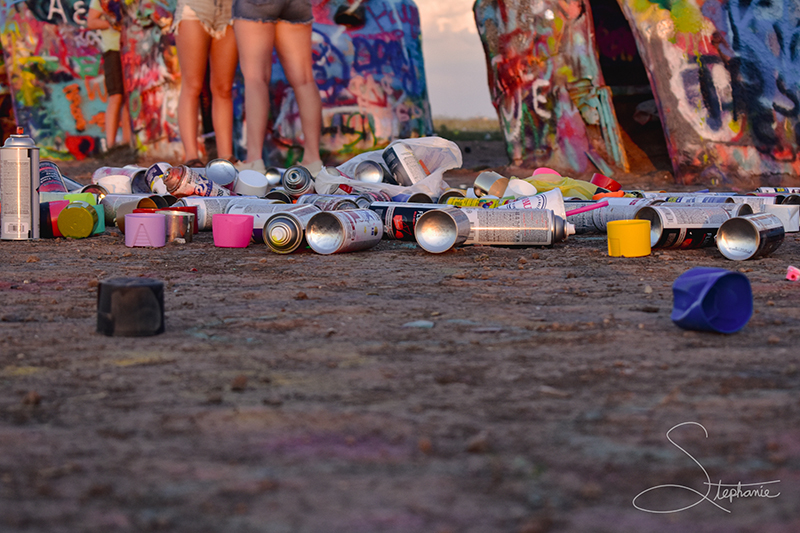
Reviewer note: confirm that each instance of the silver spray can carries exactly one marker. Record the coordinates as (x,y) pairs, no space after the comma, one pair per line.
(683,227)
(403,164)
(285,231)
(329,202)
(400,218)
(297,181)
(438,230)
(331,232)
(750,236)
(19,183)
(520,227)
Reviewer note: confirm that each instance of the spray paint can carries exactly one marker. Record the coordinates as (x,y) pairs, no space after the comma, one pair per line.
(251,205)
(451,193)
(285,231)
(694,199)
(399,218)
(274,176)
(685,227)
(183,181)
(601,217)
(331,232)
(552,200)
(297,181)
(50,178)
(260,216)
(207,207)
(19,181)
(789,190)
(524,227)
(373,172)
(403,164)
(222,172)
(483,203)
(438,230)
(279,194)
(758,203)
(374,195)
(328,202)
(750,236)
(413,198)
(791,199)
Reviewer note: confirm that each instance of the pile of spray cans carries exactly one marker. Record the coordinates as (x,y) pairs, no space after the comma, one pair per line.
(287,213)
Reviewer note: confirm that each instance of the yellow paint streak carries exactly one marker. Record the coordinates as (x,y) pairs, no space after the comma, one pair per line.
(20,371)
(686,17)
(735,126)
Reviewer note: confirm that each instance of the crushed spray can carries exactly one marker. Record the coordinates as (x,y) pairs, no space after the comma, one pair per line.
(297,181)
(183,181)
(284,231)
(332,232)
(520,227)
(19,183)
(750,236)
(685,227)
(400,218)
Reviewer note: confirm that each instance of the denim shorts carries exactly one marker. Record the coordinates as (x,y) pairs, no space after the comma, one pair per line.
(294,11)
(214,15)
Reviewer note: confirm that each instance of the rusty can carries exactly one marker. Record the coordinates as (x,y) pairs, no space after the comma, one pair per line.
(331,232)
(750,236)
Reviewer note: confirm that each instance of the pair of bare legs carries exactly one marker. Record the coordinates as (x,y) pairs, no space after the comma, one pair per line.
(116,115)
(292,42)
(196,49)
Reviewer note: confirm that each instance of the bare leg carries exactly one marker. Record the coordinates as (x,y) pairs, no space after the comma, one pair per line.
(193,43)
(113,108)
(126,122)
(223,58)
(293,44)
(255,41)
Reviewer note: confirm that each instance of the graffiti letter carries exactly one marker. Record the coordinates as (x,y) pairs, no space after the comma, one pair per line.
(540,98)
(56,7)
(80,11)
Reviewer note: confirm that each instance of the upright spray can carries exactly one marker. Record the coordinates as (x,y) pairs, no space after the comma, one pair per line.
(19,183)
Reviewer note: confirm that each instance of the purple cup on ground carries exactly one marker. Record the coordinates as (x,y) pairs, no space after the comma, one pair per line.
(145,230)
(712,299)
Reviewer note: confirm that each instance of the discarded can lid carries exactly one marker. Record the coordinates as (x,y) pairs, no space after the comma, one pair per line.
(251,183)
(605,182)
(77,220)
(130,307)
(145,230)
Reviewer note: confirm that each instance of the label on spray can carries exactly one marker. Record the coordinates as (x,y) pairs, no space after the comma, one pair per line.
(403,164)
(185,181)
(510,226)
(689,227)
(50,178)
(19,181)
(399,219)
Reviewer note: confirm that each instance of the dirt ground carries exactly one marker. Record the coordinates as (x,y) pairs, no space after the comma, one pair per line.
(487,389)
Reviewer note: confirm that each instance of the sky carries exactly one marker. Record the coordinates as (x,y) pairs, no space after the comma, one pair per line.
(455,65)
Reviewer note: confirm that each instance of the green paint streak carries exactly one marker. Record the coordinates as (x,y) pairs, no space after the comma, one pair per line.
(640,6)
(686,17)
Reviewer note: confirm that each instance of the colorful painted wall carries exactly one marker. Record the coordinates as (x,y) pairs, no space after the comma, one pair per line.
(371,78)
(547,86)
(726,76)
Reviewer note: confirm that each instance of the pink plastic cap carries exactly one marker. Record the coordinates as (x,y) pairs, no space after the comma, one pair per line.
(545,170)
(793,273)
(232,230)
